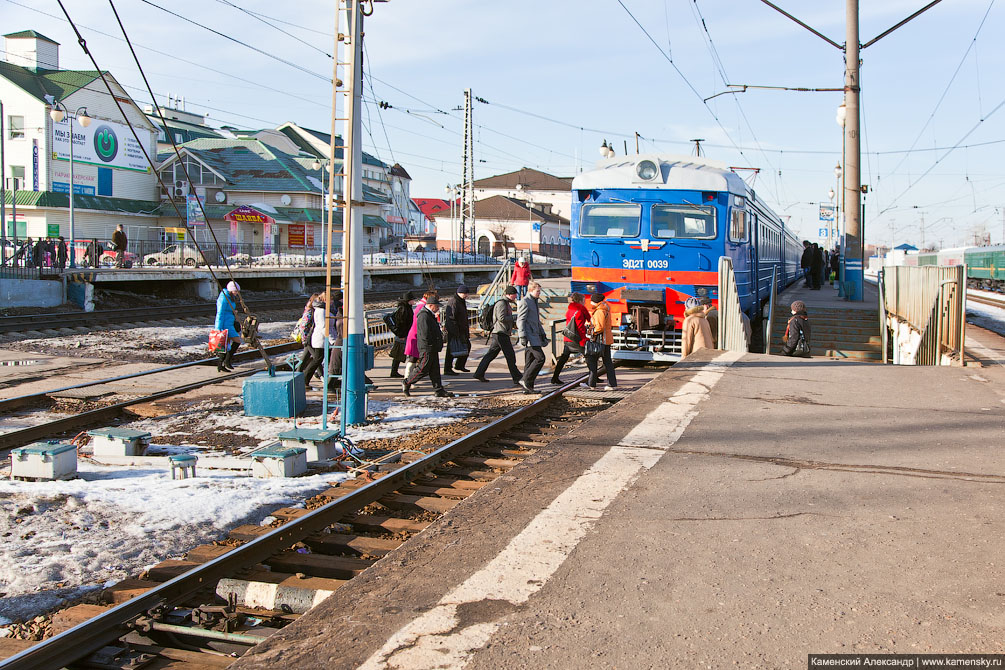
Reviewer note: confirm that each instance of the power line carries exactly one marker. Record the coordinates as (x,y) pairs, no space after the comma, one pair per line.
(259,17)
(237,41)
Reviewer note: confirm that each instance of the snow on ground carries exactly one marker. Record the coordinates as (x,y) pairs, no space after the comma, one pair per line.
(110,523)
(18,419)
(169,342)
(986,316)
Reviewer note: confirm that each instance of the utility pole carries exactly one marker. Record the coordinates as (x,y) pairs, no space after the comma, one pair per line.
(468,192)
(697,146)
(922,230)
(853,246)
(3,196)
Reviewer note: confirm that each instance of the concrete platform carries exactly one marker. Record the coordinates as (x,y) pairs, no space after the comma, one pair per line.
(737,511)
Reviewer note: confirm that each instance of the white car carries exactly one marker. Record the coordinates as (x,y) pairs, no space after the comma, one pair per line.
(175,254)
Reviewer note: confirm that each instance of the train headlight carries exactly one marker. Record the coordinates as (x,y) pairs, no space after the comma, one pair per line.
(647,170)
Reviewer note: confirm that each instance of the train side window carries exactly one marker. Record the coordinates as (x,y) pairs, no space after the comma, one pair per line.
(738,226)
(610,220)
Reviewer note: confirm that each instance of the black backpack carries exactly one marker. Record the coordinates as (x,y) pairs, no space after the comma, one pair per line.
(485,316)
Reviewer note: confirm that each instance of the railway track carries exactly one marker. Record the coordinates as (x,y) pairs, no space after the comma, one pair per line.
(57,320)
(174,613)
(985,299)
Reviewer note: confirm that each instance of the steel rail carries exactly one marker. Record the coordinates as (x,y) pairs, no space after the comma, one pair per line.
(91,635)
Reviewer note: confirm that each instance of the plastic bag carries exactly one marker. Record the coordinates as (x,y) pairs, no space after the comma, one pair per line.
(218,341)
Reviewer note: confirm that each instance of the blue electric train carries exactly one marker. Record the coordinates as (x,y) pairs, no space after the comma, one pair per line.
(648,231)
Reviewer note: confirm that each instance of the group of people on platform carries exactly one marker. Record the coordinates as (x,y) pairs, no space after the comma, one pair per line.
(818,265)
(52,253)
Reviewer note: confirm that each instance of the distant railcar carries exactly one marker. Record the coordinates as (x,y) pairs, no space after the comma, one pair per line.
(648,231)
(986,267)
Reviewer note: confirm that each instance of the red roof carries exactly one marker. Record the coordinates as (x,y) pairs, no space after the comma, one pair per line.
(433,206)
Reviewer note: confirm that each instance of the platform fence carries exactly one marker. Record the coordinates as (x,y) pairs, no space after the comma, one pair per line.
(732,335)
(926,309)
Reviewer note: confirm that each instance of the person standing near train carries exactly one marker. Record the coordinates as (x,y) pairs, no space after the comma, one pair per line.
(577,317)
(521,277)
(696,333)
(532,336)
(601,329)
(805,261)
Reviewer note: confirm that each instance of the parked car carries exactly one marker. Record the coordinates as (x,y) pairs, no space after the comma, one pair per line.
(107,259)
(175,254)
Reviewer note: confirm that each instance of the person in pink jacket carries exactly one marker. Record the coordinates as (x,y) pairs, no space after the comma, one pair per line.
(412,340)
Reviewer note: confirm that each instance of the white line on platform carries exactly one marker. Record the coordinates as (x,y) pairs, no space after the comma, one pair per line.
(437,639)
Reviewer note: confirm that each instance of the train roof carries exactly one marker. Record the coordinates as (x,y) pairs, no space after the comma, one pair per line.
(676,172)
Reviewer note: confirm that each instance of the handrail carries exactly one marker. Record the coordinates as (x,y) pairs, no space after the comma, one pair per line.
(732,336)
(771,309)
(883,330)
(917,298)
(500,280)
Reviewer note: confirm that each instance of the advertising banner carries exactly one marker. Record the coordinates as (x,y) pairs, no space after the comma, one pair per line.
(295,235)
(194,211)
(78,189)
(34,165)
(102,143)
(246,214)
(826,212)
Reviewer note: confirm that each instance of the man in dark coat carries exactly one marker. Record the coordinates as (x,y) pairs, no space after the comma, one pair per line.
(835,263)
(503,322)
(402,319)
(457,325)
(797,329)
(430,342)
(119,242)
(816,266)
(61,253)
(806,261)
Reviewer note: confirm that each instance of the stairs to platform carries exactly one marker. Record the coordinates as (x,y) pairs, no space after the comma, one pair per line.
(840,333)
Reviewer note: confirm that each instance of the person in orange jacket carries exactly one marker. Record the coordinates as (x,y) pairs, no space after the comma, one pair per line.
(601,331)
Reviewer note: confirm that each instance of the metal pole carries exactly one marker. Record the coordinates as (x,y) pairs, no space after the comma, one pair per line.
(853,157)
(3,196)
(354,341)
(72,254)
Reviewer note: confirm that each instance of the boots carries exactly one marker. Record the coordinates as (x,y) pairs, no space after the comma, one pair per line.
(224,364)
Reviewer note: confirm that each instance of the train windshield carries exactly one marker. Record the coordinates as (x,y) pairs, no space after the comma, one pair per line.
(610,220)
(686,221)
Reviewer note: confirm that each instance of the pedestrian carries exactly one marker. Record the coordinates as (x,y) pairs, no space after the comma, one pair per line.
(521,277)
(532,336)
(816,266)
(23,254)
(797,332)
(601,331)
(457,325)
(226,313)
(712,316)
(503,322)
(119,243)
(402,318)
(38,253)
(805,261)
(429,341)
(315,365)
(577,317)
(61,254)
(835,266)
(696,333)
(411,340)
(303,330)
(50,253)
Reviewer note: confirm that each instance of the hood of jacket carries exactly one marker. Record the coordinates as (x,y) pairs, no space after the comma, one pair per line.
(698,310)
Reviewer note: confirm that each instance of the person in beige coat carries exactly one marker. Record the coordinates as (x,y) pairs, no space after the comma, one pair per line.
(696,333)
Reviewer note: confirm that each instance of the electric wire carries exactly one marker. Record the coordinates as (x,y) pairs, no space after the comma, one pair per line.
(259,17)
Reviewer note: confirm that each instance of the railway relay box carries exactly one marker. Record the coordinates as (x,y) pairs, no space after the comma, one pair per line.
(44,461)
(281,395)
(278,461)
(119,442)
(321,445)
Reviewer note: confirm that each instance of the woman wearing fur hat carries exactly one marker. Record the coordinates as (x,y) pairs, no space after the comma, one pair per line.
(797,332)
(696,333)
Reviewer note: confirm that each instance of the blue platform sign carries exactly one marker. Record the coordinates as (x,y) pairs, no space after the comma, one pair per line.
(537,227)
(823,232)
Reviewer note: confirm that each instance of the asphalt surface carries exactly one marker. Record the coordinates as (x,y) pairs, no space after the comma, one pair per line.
(753,513)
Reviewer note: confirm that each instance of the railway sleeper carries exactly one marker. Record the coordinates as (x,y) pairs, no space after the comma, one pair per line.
(397,501)
(437,491)
(475,473)
(495,463)
(318,565)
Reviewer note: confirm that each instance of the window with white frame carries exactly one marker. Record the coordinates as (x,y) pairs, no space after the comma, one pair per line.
(15,127)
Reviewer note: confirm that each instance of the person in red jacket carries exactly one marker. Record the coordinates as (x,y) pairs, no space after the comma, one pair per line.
(577,316)
(521,277)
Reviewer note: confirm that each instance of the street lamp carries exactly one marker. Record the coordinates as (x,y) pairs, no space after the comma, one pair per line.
(57,114)
(321,165)
(452,191)
(606,151)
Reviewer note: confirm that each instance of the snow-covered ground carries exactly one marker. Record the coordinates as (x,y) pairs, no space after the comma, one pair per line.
(986,316)
(110,523)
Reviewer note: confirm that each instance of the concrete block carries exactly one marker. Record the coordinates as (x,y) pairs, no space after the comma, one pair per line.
(321,445)
(278,461)
(119,442)
(417,280)
(283,395)
(44,460)
(205,289)
(182,466)
(31,293)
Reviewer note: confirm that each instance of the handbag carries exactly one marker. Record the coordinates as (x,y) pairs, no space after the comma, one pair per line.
(457,347)
(218,341)
(594,348)
(570,332)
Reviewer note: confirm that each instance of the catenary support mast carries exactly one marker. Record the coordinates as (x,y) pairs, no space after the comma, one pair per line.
(852,247)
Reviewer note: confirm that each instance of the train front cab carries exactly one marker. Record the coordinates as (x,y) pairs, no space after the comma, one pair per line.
(648,252)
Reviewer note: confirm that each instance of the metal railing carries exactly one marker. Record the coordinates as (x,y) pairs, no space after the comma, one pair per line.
(732,335)
(930,301)
(498,284)
(884,329)
(769,328)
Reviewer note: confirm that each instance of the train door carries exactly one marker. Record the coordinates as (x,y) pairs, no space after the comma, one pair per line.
(738,246)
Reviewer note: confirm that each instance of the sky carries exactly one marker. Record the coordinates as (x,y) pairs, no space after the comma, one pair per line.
(558,78)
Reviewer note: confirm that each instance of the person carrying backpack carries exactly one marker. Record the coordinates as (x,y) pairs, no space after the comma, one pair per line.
(502,325)
(401,323)
(797,332)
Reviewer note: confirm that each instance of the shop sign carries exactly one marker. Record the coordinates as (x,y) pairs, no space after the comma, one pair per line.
(246,214)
